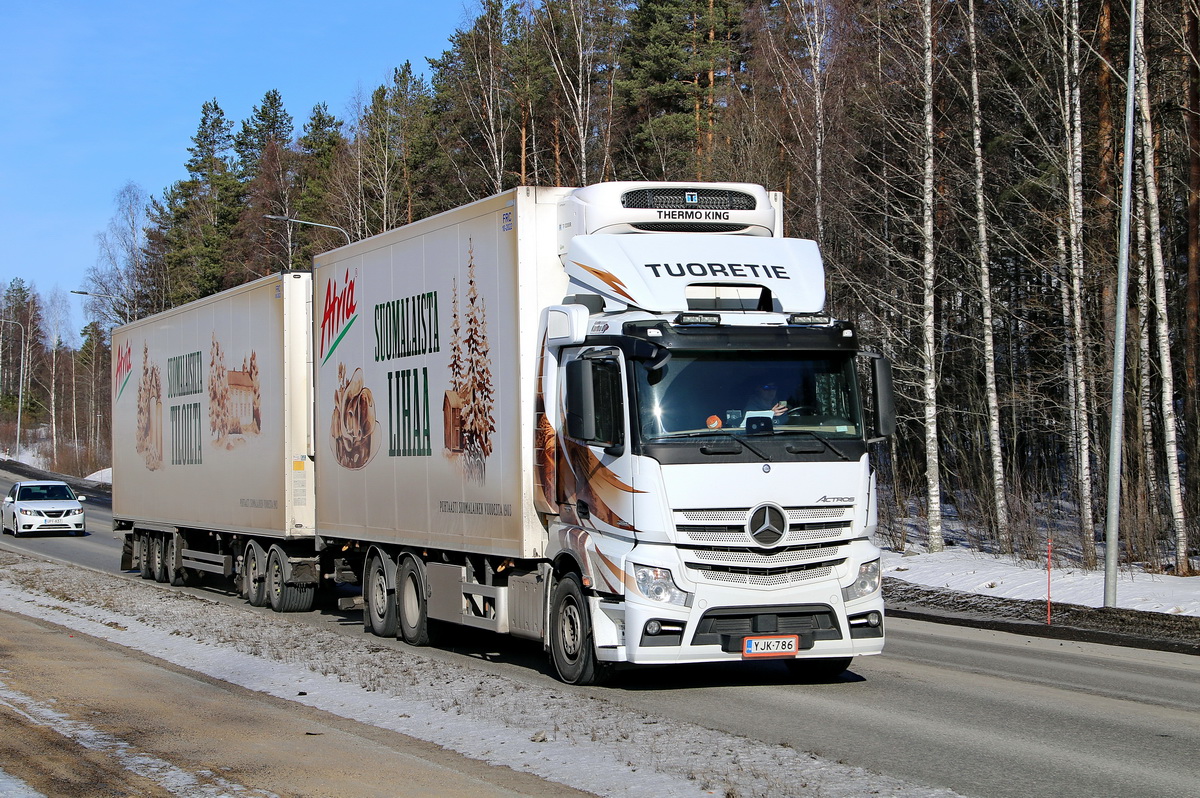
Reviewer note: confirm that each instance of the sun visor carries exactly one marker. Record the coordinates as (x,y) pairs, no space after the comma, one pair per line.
(655,271)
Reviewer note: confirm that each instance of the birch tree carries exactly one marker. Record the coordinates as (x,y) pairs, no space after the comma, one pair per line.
(929,353)
(1073,141)
(995,449)
(1161,327)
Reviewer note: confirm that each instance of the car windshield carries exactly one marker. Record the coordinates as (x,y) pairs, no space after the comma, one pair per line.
(749,393)
(45,493)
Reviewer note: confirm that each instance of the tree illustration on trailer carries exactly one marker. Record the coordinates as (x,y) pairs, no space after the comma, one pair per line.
(470,401)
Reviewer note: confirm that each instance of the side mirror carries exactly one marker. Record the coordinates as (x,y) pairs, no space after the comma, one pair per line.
(8,499)
(80,498)
(581,401)
(594,404)
(884,420)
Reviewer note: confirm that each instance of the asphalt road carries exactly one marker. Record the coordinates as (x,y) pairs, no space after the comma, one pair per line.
(984,713)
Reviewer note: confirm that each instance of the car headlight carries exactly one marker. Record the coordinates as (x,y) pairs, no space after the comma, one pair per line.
(657,584)
(866,583)
(26,511)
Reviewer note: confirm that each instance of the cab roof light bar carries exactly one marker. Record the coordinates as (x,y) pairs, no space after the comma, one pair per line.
(698,318)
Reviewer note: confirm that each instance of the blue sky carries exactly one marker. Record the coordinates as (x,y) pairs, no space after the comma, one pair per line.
(102,92)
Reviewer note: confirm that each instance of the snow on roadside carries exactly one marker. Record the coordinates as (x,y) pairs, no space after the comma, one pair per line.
(578,740)
(971,571)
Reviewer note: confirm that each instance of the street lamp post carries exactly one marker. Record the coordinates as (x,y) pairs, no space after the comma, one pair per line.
(20,385)
(126,314)
(302,221)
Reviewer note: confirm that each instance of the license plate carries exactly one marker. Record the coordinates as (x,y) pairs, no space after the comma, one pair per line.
(772,646)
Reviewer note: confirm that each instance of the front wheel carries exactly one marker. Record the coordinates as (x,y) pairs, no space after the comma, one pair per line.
(572,648)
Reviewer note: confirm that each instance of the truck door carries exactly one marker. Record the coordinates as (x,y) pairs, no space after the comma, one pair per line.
(595,482)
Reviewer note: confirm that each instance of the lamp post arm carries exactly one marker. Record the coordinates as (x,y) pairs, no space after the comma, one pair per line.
(314,224)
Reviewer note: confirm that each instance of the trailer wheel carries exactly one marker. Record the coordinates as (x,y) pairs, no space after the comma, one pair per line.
(158,559)
(143,556)
(412,603)
(571,647)
(254,574)
(174,575)
(286,597)
(379,606)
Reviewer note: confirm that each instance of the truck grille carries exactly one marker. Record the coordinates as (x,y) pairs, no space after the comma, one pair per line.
(687,227)
(706,199)
(716,546)
(812,620)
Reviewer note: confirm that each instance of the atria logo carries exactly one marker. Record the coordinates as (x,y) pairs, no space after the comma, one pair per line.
(122,368)
(339,311)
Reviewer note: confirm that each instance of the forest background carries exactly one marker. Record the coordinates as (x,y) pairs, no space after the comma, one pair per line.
(958,161)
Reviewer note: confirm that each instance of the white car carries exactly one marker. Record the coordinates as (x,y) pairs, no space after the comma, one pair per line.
(42,506)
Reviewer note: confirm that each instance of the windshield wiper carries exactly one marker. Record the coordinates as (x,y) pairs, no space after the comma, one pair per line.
(820,438)
(714,433)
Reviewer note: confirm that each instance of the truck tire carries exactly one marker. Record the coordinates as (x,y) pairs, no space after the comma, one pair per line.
(379,604)
(175,575)
(158,559)
(286,597)
(412,603)
(254,574)
(572,648)
(143,557)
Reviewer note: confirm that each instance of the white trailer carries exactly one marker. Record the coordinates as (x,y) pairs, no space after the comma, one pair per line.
(615,420)
(212,440)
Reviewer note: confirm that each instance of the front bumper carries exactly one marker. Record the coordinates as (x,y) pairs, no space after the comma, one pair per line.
(34,523)
(714,628)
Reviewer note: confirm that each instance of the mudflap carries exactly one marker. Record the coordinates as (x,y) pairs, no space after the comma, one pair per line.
(127,554)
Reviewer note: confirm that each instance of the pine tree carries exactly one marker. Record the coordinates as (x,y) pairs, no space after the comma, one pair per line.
(319,148)
(192,226)
(269,122)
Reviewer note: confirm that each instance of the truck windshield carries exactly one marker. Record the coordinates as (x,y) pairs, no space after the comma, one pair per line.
(749,395)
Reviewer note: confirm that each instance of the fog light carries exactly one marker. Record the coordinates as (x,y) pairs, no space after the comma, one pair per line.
(874,619)
(653,627)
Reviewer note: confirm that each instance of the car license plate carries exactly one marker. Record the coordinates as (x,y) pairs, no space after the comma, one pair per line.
(772,646)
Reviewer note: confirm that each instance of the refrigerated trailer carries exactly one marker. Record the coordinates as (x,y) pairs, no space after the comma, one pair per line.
(616,420)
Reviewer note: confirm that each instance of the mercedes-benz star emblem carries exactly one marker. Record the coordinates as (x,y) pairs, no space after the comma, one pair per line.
(767,524)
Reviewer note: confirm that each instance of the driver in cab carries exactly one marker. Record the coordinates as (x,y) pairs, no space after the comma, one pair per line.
(763,397)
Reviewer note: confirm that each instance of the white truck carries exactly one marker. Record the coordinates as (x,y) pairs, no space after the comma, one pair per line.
(615,419)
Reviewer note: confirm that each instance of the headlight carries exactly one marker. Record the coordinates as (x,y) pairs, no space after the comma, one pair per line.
(657,584)
(26,511)
(866,583)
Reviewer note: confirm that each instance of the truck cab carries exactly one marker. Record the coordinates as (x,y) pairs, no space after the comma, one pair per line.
(703,434)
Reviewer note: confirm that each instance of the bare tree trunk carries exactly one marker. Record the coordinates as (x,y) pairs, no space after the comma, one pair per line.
(1191,406)
(1073,118)
(1162,330)
(929,349)
(996,453)
(1145,384)
(1106,167)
